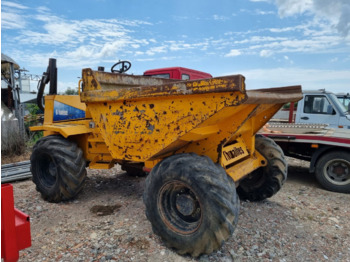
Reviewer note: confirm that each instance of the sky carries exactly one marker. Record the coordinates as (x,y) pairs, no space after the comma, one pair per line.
(273,43)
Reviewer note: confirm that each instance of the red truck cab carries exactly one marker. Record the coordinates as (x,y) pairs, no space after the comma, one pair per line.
(180,73)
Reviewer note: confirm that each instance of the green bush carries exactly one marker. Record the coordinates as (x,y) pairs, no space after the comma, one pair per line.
(32,119)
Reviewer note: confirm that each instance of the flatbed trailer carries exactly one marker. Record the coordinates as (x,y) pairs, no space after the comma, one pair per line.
(327,149)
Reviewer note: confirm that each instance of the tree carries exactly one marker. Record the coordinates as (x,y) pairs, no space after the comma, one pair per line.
(71,91)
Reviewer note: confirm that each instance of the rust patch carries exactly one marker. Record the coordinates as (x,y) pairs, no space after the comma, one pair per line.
(219,148)
(94,83)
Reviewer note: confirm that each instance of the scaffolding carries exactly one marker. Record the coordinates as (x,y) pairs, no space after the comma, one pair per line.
(12,93)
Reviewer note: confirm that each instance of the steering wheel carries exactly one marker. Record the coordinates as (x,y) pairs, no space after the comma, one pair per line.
(124,66)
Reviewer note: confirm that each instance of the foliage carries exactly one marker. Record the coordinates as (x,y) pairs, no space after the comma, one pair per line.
(71,91)
(33,109)
(33,138)
(33,119)
(287,106)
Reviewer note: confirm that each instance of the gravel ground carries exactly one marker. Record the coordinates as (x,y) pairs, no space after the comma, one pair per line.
(301,223)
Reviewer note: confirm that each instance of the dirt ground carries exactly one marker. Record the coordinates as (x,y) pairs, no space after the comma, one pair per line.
(107,222)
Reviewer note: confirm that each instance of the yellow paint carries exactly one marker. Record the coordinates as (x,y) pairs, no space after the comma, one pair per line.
(49,105)
(71,100)
(241,169)
(200,133)
(150,164)
(233,125)
(79,85)
(137,130)
(98,164)
(65,130)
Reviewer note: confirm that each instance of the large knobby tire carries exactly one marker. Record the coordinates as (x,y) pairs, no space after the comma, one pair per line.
(333,171)
(58,168)
(191,203)
(267,180)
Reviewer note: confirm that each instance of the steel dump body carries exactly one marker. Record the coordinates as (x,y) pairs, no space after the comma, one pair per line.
(143,119)
(138,123)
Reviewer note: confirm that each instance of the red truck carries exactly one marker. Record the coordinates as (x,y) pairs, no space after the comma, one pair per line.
(180,73)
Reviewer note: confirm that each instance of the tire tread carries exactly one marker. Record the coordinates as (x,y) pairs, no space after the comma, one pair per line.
(70,165)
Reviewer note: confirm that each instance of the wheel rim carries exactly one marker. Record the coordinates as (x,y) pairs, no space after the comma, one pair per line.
(179,207)
(337,171)
(46,170)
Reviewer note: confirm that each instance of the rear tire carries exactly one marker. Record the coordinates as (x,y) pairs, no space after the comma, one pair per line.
(58,168)
(333,171)
(191,203)
(267,180)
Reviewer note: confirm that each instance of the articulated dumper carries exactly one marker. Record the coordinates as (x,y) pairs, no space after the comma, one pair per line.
(196,137)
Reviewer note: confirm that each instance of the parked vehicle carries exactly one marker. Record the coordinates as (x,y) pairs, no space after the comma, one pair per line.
(196,137)
(345,100)
(327,149)
(317,107)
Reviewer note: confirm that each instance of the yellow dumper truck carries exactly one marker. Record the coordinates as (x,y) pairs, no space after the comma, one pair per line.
(196,137)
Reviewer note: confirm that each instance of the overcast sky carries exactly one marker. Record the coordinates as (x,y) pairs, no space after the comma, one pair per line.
(271,42)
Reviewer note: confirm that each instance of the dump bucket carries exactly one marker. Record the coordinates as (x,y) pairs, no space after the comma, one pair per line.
(143,118)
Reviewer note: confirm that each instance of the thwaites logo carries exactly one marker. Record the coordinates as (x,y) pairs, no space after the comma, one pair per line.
(233,153)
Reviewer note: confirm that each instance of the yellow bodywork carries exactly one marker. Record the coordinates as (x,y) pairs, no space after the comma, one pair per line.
(143,119)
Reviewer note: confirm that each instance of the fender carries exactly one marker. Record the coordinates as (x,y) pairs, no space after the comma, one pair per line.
(65,129)
(316,155)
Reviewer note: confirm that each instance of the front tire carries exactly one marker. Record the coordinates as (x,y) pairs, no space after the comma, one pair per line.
(333,171)
(58,168)
(191,203)
(267,180)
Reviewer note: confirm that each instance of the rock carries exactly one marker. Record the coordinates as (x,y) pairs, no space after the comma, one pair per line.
(204,258)
(255,247)
(335,220)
